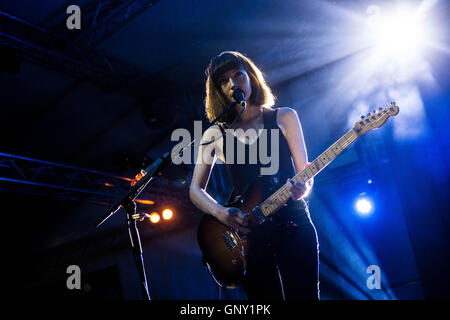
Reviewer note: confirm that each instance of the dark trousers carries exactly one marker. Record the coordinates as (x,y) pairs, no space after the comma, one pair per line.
(283,261)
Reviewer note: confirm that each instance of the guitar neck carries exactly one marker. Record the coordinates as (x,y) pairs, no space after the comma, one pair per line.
(281,196)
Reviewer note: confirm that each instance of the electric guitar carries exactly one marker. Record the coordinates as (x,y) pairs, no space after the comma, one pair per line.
(224,248)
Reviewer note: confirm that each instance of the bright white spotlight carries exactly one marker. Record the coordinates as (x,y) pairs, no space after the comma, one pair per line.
(400,34)
(364,206)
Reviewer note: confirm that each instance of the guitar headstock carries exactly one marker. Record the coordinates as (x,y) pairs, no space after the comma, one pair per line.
(375,119)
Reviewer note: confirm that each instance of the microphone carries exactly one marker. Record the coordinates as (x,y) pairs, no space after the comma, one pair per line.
(238,96)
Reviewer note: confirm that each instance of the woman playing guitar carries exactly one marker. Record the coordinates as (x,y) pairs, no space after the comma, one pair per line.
(282,258)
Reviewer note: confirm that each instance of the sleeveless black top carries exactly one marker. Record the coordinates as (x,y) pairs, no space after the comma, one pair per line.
(241,175)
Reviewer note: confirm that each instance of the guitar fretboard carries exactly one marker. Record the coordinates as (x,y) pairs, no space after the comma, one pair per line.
(281,196)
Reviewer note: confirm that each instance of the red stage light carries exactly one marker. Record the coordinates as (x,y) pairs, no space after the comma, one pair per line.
(138,177)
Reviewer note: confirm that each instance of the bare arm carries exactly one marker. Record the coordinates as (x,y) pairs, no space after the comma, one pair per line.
(202,171)
(197,190)
(288,121)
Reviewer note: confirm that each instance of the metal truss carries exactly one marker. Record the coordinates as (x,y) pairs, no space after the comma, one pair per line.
(53,47)
(43,178)
(100,19)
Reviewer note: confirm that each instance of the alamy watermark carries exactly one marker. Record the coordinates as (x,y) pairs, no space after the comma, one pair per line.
(374,280)
(208,152)
(74,20)
(74,279)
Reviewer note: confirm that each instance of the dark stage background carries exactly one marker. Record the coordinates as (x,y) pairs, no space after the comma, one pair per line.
(107,97)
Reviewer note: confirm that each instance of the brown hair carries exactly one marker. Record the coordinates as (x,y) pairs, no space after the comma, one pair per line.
(215,102)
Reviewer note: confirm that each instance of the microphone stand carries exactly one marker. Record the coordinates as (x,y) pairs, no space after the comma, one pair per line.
(127,202)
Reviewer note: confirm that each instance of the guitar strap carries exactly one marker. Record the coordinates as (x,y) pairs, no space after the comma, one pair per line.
(232,197)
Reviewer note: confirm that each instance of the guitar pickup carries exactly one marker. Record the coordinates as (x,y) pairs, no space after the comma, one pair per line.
(229,239)
(240,235)
(258,215)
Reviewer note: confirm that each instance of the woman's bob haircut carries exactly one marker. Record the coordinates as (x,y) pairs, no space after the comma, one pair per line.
(215,102)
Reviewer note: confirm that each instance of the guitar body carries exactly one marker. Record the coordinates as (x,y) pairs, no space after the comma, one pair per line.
(225,249)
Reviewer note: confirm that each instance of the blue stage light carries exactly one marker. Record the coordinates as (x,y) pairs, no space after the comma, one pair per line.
(364,206)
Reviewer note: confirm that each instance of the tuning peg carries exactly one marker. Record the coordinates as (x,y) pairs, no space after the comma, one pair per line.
(362,117)
(393,102)
(380,108)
